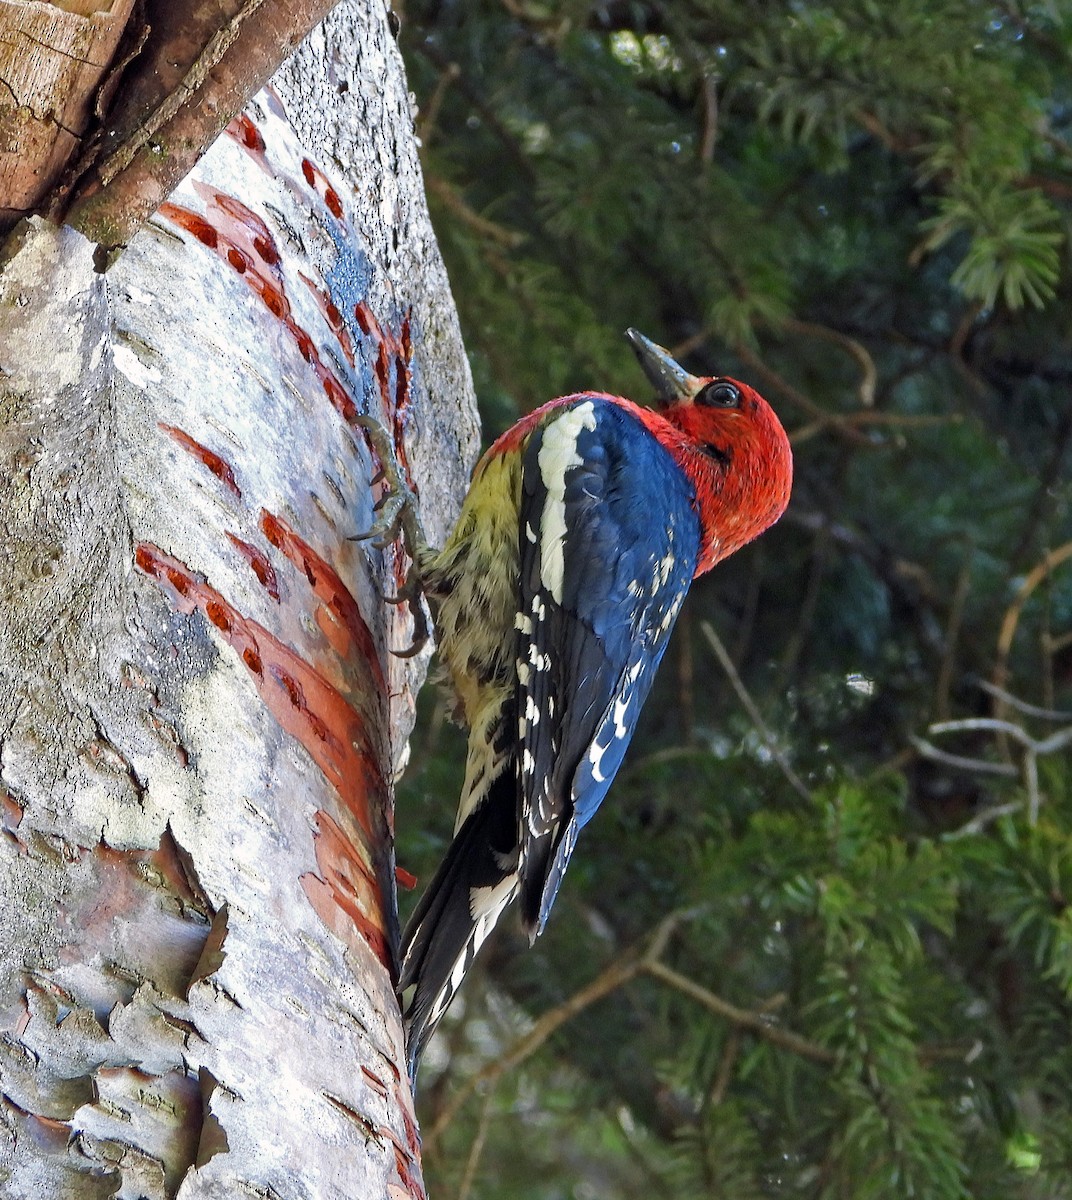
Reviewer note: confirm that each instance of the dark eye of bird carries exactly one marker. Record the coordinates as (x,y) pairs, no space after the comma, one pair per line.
(719,394)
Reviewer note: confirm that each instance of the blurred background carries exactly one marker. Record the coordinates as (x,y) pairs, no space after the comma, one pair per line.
(818,941)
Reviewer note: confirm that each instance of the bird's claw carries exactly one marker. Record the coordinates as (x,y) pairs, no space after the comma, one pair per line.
(397,517)
(391,511)
(410,593)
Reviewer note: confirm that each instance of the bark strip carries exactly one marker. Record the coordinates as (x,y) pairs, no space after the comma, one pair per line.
(200,65)
(53,60)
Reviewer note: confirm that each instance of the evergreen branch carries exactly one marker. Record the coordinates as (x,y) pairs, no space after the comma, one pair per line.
(614,976)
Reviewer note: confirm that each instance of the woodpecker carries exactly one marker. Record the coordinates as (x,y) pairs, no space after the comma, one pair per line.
(554,599)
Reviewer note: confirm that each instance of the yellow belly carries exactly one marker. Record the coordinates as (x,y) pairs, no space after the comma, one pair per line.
(472,583)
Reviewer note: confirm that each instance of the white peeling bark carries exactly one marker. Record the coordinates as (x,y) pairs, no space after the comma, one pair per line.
(200,718)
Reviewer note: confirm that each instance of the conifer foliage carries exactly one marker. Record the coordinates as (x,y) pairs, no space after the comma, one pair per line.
(819,943)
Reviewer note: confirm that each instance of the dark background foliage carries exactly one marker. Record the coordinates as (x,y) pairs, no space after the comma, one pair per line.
(865,988)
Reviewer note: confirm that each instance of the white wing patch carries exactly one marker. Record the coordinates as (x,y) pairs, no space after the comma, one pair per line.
(558,454)
(595,757)
(485,902)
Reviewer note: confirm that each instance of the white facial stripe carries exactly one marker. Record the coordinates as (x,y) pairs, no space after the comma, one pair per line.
(558,453)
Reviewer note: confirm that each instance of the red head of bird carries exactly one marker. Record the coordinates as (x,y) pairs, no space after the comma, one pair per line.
(730,443)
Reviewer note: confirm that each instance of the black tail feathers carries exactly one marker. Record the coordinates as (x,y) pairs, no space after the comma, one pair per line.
(474,883)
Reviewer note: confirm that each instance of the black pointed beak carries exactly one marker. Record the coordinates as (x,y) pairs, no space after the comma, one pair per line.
(672,382)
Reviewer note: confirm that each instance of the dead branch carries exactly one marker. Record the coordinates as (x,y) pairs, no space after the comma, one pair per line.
(868,370)
(1032,750)
(752,709)
(53,61)
(194,76)
(758,1023)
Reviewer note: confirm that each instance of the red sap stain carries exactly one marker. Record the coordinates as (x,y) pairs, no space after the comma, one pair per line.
(413,1136)
(329,588)
(274,297)
(318,181)
(405,1162)
(218,465)
(345,888)
(237,211)
(374,1081)
(292,688)
(266,250)
(332,316)
(241,238)
(190,221)
(178,581)
(11,814)
(304,342)
(348,894)
(304,703)
(218,616)
(335,392)
(258,560)
(248,136)
(234,242)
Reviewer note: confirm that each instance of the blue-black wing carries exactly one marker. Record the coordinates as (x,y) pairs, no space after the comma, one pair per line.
(609,540)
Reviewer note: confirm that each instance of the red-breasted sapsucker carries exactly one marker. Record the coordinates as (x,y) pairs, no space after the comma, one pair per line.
(554,600)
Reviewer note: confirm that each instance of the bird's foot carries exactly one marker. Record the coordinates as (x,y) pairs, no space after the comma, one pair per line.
(397,516)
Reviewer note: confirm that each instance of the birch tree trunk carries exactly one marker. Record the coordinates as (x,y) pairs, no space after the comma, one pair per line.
(200,717)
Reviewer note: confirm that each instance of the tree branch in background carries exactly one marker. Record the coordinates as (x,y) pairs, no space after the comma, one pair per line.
(868,370)
(477,1148)
(752,709)
(1033,750)
(1011,620)
(952,635)
(757,1023)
